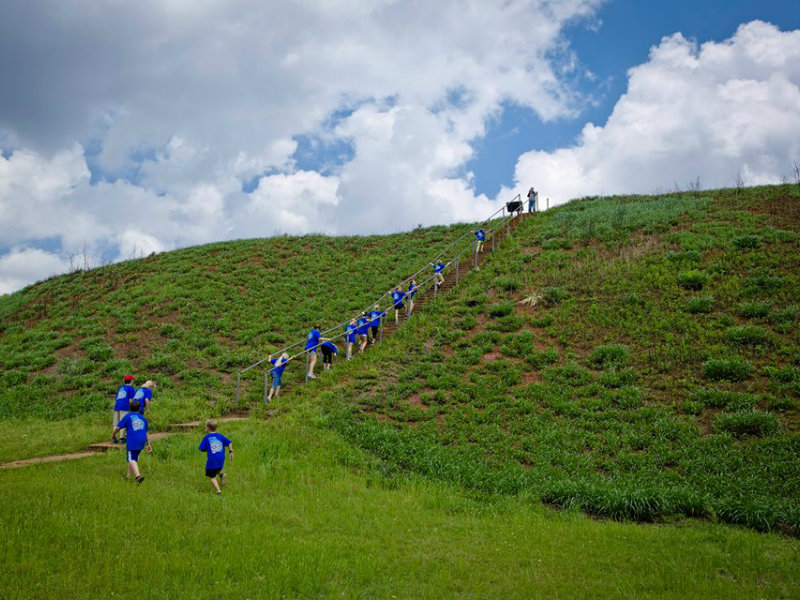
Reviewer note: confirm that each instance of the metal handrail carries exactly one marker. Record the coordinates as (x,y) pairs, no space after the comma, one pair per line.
(503,221)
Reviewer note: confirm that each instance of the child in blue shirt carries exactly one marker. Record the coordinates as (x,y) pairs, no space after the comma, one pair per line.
(438,278)
(214,445)
(480,237)
(413,288)
(375,321)
(121,403)
(363,332)
(277,374)
(397,302)
(144,395)
(350,337)
(136,427)
(313,340)
(329,349)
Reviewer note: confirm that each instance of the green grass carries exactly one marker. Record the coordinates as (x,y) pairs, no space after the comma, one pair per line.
(306,515)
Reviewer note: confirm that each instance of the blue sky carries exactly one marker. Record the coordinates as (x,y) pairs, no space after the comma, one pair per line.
(618,38)
(122,134)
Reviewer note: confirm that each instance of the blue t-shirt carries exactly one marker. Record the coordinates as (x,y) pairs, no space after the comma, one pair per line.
(332,346)
(412,289)
(363,325)
(312,341)
(351,333)
(481,235)
(277,370)
(124,395)
(214,444)
(438,267)
(135,426)
(376,315)
(141,395)
(397,297)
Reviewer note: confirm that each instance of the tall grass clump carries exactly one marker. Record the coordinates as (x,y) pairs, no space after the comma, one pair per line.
(755,310)
(700,304)
(747,335)
(693,280)
(727,369)
(615,355)
(746,423)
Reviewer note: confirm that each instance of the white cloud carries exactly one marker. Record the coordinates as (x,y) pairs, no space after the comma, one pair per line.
(22,266)
(689,112)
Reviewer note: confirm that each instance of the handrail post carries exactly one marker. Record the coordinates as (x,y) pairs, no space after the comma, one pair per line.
(435,288)
(306,366)
(266,385)
(493,241)
(238,385)
(477,245)
(456,270)
(380,332)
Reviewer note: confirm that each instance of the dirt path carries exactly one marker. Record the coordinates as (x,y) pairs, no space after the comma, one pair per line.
(99,447)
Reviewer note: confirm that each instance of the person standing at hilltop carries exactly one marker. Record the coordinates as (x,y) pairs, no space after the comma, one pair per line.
(122,403)
(144,395)
(533,199)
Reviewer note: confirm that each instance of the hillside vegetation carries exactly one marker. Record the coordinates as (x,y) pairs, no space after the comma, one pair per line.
(635,357)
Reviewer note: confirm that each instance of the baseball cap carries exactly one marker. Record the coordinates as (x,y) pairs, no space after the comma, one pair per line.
(129,378)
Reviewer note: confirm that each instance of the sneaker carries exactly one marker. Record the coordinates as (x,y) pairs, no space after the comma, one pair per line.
(114,440)
(310,376)
(139,479)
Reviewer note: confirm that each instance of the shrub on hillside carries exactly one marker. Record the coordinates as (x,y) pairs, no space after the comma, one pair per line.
(685,256)
(731,369)
(615,355)
(502,309)
(506,284)
(763,282)
(755,310)
(748,335)
(554,295)
(692,280)
(747,422)
(700,304)
(786,315)
(747,242)
(714,398)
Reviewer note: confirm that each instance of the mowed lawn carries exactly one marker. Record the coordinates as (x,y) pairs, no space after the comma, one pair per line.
(306,515)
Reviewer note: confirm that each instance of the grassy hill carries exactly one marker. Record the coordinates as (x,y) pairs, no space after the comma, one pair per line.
(636,358)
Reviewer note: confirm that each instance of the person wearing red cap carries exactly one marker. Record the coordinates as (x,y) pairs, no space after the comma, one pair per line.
(122,403)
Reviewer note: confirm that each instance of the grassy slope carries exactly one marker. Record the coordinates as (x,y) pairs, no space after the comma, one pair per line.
(623,391)
(186,319)
(307,515)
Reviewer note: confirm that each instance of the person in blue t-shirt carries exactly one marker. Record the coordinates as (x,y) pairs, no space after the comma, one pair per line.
(135,425)
(214,445)
(313,340)
(277,374)
(121,403)
(363,332)
(144,395)
(350,336)
(397,302)
(375,321)
(329,349)
(413,288)
(438,267)
(480,237)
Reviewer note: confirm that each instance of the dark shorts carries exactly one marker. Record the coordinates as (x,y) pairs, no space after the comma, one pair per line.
(374,329)
(213,472)
(398,306)
(327,355)
(133,455)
